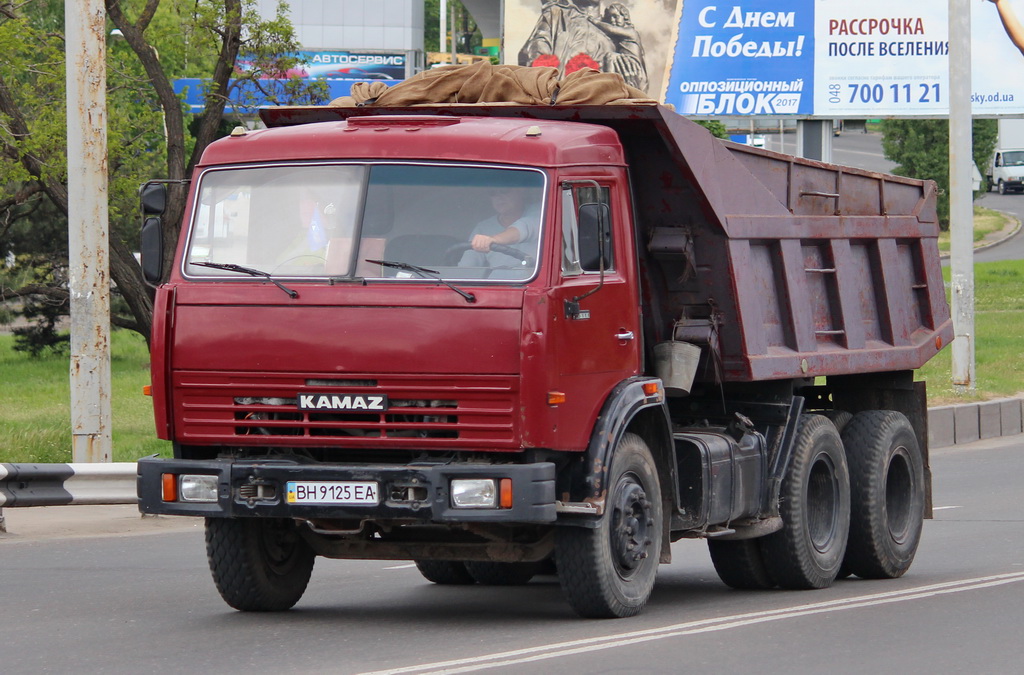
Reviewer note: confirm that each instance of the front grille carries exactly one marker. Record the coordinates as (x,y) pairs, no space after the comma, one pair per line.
(423,411)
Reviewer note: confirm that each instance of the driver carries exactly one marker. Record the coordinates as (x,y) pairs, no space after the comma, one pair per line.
(512,225)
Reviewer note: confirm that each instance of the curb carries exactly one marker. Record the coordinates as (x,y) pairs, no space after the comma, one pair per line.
(994,242)
(950,425)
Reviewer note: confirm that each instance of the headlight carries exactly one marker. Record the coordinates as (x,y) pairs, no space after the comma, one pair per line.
(474,493)
(197,488)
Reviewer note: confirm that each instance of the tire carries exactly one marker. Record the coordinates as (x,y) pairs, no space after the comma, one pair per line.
(840,418)
(814,503)
(502,574)
(258,564)
(887,492)
(445,572)
(609,571)
(1001,187)
(740,564)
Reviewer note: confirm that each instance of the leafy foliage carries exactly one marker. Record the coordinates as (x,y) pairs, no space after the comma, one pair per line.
(717,129)
(149,132)
(921,150)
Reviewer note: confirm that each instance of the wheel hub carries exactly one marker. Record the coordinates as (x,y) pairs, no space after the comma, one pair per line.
(632,520)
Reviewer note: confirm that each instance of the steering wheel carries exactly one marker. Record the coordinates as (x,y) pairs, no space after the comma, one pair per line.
(454,253)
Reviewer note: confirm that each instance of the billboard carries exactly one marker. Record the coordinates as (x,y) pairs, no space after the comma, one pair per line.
(751,59)
(631,37)
(769,58)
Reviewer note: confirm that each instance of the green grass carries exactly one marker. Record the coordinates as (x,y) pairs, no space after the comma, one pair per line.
(999,327)
(35,418)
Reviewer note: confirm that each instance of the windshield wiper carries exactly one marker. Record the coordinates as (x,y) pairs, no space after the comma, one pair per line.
(423,272)
(231,267)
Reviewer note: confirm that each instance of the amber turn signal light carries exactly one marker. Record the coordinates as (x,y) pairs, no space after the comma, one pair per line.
(556,397)
(170,487)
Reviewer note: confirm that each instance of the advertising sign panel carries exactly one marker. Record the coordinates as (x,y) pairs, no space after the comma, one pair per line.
(754,58)
(879,57)
(766,58)
(997,57)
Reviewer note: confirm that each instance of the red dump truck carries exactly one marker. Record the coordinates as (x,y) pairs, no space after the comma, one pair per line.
(670,337)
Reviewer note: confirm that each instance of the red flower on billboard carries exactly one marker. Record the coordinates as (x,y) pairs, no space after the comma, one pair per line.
(581,61)
(545,61)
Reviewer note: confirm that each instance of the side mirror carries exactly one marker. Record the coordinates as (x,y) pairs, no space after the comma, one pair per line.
(594,235)
(152,250)
(593,222)
(153,199)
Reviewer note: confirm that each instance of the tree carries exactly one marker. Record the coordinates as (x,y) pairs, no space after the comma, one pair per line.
(921,150)
(150,135)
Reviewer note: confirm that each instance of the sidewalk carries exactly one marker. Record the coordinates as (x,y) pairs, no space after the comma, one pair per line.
(66,522)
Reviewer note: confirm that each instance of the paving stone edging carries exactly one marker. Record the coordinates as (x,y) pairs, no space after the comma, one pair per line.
(968,422)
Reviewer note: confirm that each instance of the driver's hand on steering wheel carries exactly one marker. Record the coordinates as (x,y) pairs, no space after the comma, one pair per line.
(482,243)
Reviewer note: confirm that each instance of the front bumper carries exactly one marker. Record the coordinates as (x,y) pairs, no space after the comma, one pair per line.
(409,493)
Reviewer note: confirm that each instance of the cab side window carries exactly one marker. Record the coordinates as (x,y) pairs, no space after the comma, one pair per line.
(584,228)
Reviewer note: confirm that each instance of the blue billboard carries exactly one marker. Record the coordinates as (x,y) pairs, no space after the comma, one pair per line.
(749,58)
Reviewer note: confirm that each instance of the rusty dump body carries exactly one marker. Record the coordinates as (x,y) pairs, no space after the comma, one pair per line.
(785,267)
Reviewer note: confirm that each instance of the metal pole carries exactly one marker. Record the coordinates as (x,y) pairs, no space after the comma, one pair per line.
(961,211)
(88,260)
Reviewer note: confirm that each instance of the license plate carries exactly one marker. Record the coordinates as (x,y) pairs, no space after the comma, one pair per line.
(356,493)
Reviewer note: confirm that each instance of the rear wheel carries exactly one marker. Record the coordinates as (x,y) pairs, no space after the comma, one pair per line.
(445,572)
(740,564)
(888,494)
(502,574)
(609,571)
(815,507)
(258,564)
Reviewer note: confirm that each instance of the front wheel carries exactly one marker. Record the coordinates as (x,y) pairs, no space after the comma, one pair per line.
(1001,187)
(258,564)
(815,507)
(888,494)
(609,571)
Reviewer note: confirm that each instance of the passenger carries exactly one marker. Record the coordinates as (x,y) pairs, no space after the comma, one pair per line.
(514,224)
(319,223)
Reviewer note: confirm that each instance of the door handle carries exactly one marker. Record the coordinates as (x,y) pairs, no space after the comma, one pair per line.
(625,335)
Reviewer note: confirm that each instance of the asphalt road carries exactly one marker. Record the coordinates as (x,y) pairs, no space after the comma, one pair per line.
(145,603)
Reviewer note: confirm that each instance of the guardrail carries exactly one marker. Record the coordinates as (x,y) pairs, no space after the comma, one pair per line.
(64,484)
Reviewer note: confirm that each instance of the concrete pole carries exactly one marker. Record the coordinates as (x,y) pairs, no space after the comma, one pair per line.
(961,211)
(454,41)
(89,258)
(442,27)
(814,139)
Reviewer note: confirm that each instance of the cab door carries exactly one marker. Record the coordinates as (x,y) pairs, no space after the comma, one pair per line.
(596,313)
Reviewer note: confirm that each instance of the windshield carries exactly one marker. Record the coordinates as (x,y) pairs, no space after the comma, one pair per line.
(1013,158)
(309,221)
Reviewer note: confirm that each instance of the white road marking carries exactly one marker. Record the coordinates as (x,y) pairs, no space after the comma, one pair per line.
(944,508)
(562,649)
(401,567)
